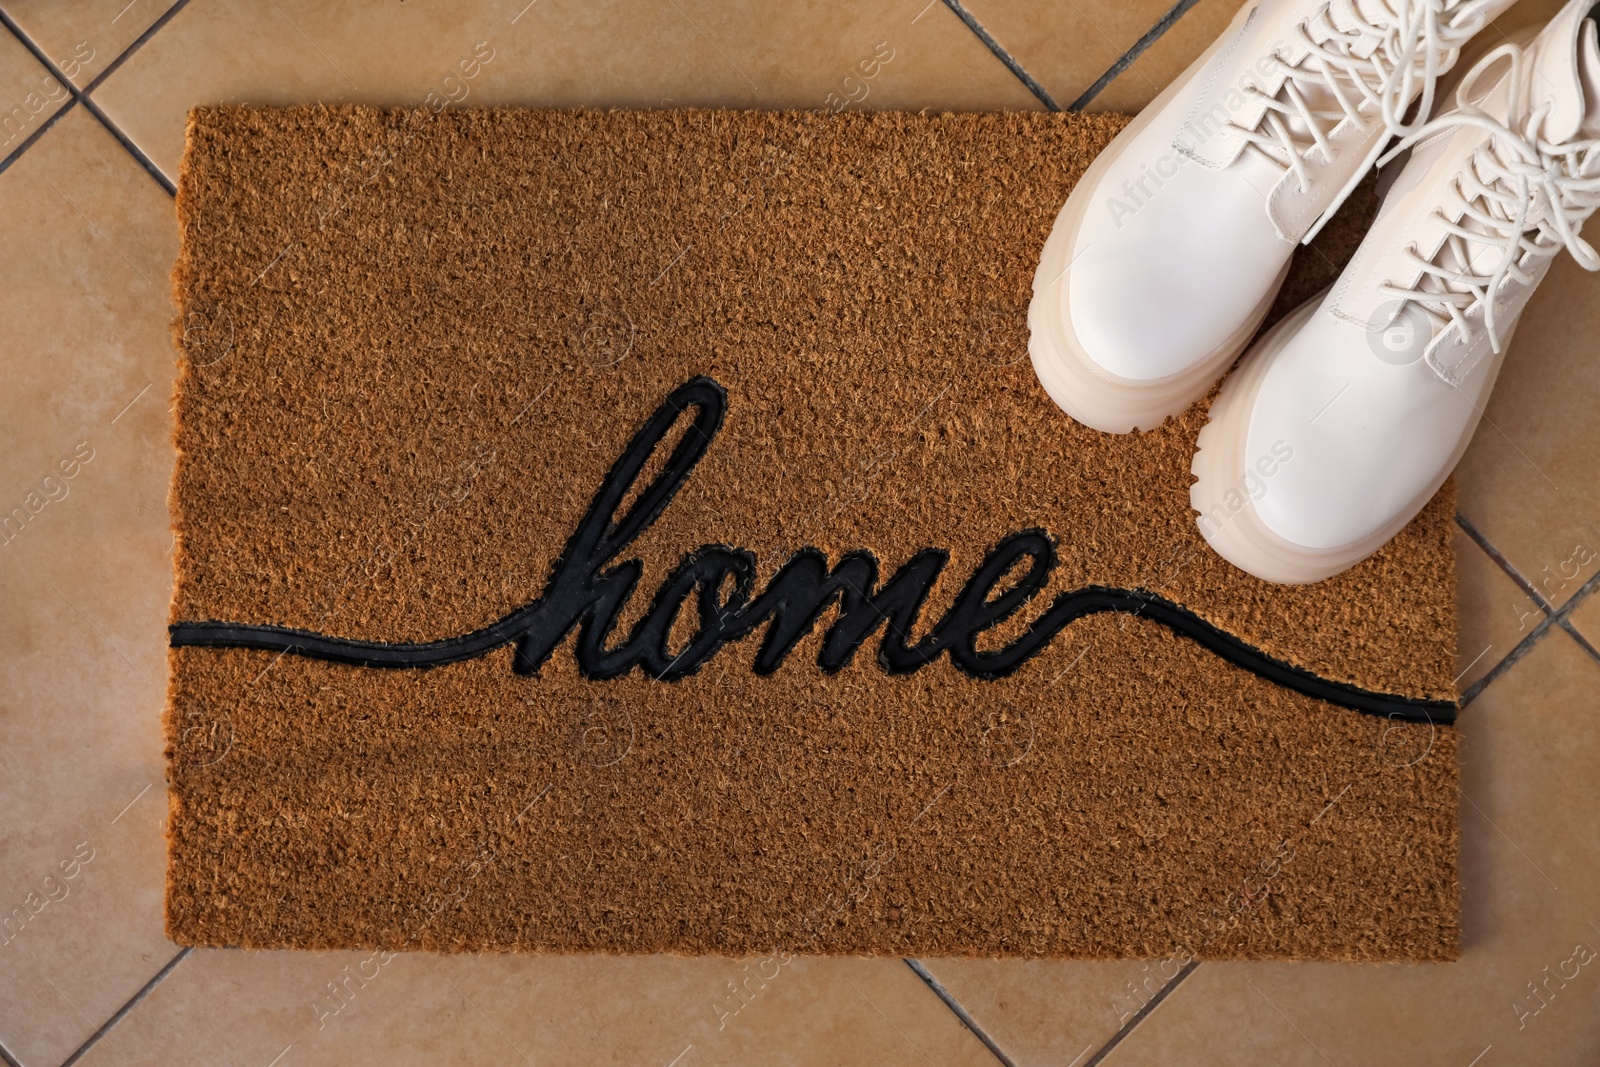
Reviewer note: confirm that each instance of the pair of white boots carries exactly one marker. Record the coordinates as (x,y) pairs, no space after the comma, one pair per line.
(1344,419)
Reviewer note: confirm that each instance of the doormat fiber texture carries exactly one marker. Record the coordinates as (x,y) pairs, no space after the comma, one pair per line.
(643,532)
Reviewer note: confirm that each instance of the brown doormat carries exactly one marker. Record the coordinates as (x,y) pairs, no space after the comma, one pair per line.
(643,531)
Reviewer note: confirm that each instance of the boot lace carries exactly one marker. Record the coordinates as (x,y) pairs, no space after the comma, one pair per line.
(1521,195)
(1368,71)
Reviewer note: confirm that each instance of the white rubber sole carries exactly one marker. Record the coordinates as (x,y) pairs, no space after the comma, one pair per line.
(1080,386)
(1228,520)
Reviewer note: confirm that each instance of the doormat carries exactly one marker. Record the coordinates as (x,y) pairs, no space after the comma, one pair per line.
(642,532)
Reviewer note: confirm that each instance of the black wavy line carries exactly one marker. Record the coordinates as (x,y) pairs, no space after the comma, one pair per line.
(1090,600)
(588,589)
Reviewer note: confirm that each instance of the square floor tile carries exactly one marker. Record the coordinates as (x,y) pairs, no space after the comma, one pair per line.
(85,577)
(82,39)
(224,1006)
(622,53)
(1527,987)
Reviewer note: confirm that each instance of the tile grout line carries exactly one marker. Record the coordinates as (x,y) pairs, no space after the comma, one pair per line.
(133,150)
(1472,531)
(1583,642)
(138,43)
(1477,537)
(1507,661)
(81,96)
(961,1013)
(33,49)
(1124,61)
(1558,618)
(123,1011)
(1001,54)
(1527,587)
(1151,1005)
(5,164)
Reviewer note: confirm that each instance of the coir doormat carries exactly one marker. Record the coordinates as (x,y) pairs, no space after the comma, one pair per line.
(643,531)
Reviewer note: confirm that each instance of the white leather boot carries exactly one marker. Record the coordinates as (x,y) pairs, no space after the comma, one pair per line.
(1343,421)
(1168,252)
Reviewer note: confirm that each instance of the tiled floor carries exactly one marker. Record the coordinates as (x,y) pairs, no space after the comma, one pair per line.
(92,104)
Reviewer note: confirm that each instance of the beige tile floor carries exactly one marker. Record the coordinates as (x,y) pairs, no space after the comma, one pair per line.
(92,104)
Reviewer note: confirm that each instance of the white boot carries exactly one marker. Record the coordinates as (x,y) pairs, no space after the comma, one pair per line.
(1168,252)
(1345,418)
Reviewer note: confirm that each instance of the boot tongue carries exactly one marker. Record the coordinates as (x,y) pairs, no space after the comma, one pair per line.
(1346,14)
(1343,18)
(1566,72)
(1589,78)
